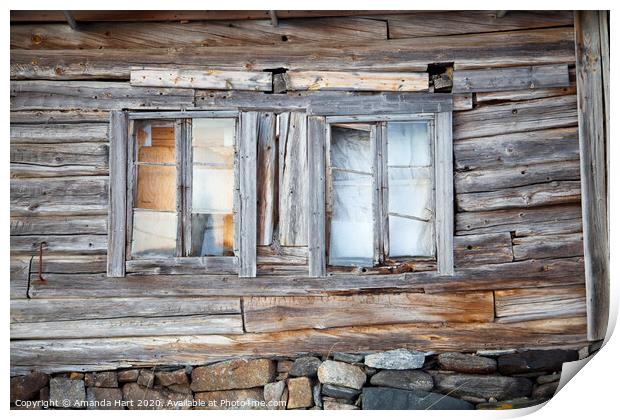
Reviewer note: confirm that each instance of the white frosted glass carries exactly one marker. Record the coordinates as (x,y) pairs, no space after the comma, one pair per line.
(350,149)
(411,238)
(351,241)
(212,190)
(408,144)
(213,141)
(154,234)
(411,192)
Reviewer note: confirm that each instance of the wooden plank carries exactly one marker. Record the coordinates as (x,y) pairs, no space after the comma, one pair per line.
(462,101)
(545,303)
(118,193)
(267,182)
(45,160)
(268,314)
(516,176)
(289,255)
(429,24)
(201,79)
(551,193)
(474,250)
(70,264)
(59,225)
(60,244)
(183,265)
(317,132)
(59,133)
(548,246)
(19,277)
(527,148)
(357,81)
(293,180)
(524,222)
(54,95)
(444,193)
(59,117)
(500,49)
(67,195)
(510,78)
(524,95)
(593,172)
(248,137)
(197,34)
(516,117)
(111,353)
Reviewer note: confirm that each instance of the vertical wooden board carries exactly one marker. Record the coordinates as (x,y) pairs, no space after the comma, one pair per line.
(266,177)
(248,135)
(118,194)
(317,131)
(444,193)
(593,179)
(293,180)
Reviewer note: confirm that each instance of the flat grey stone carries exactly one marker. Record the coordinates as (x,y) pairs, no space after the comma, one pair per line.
(399,399)
(305,366)
(466,363)
(67,392)
(276,395)
(336,391)
(333,405)
(411,380)
(535,361)
(545,391)
(399,359)
(545,379)
(348,357)
(342,374)
(482,386)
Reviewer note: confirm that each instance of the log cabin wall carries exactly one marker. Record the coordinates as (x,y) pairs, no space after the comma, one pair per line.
(518,246)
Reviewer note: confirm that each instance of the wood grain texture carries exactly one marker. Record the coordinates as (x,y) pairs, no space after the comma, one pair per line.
(548,246)
(248,137)
(70,264)
(510,78)
(19,276)
(317,132)
(59,225)
(54,133)
(183,265)
(201,79)
(60,244)
(59,117)
(524,95)
(444,193)
(356,81)
(540,303)
(472,250)
(117,224)
(268,314)
(462,101)
(266,178)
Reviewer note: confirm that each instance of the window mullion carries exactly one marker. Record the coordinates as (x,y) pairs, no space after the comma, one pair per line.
(376,148)
(179,137)
(188,161)
(384,196)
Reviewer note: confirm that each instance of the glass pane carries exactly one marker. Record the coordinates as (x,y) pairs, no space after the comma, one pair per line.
(411,238)
(213,141)
(411,192)
(156,143)
(154,234)
(350,149)
(156,187)
(212,190)
(212,234)
(408,144)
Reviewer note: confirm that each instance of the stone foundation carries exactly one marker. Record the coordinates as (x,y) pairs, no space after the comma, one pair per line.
(397,379)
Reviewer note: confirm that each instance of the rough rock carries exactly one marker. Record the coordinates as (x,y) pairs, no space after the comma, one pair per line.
(66,392)
(545,379)
(130,375)
(299,393)
(316,395)
(275,395)
(233,374)
(498,387)
(466,363)
(333,405)
(180,388)
(348,357)
(535,361)
(156,398)
(509,404)
(305,366)
(399,399)
(235,399)
(175,377)
(104,398)
(340,392)
(284,366)
(411,380)
(101,380)
(342,374)
(396,359)
(44,393)
(146,378)
(545,391)
(76,375)
(27,387)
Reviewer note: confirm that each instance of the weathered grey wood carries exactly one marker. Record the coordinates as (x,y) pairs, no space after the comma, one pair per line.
(603,16)
(183,265)
(510,78)
(556,192)
(267,182)
(524,95)
(592,149)
(248,137)
(169,115)
(516,176)
(524,222)
(317,131)
(266,314)
(54,95)
(293,179)
(444,193)
(59,225)
(70,264)
(19,277)
(289,255)
(521,116)
(548,246)
(201,79)
(529,304)
(357,81)
(462,101)
(60,244)
(475,250)
(119,137)
(531,147)
(111,353)
(59,117)
(59,133)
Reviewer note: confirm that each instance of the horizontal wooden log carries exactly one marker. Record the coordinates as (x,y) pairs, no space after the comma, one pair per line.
(59,117)
(60,244)
(264,314)
(473,250)
(524,222)
(67,195)
(356,81)
(527,148)
(548,246)
(516,176)
(111,353)
(532,47)
(54,95)
(197,34)
(524,95)
(556,192)
(69,264)
(184,265)
(19,277)
(513,275)
(58,133)
(288,255)
(202,79)
(462,101)
(59,225)
(515,117)
(544,303)
(510,78)
(430,24)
